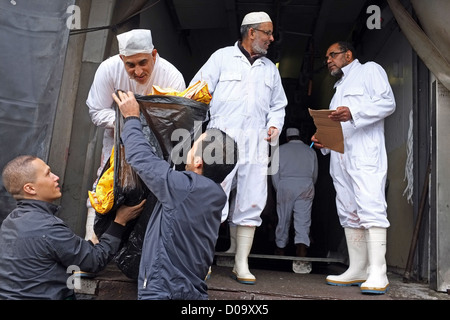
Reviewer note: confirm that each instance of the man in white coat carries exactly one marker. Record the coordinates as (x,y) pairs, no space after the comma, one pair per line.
(294,186)
(136,68)
(363,99)
(248,103)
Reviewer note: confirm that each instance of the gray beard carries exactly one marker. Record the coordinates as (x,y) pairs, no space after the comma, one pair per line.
(258,49)
(337,73)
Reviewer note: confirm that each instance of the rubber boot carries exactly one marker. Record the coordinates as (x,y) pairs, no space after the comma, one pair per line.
(232,248)
(356,273)
(377,282)
(244,242)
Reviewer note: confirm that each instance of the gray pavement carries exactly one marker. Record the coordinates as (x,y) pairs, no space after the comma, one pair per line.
(272,283)
(284,285)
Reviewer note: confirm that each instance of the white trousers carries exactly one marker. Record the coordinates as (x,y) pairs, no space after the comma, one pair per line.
(251,194)
(360,192)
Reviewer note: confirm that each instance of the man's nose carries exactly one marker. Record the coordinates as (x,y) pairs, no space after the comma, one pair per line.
(138,70)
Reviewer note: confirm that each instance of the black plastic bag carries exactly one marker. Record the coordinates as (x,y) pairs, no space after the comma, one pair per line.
(161,116)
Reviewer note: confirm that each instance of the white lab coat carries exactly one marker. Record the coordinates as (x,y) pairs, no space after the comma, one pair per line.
(111,76)
(246,100)
(359,175)
(294,185)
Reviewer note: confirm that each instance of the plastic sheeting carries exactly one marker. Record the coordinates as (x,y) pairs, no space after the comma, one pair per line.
(33,42)
(162,118)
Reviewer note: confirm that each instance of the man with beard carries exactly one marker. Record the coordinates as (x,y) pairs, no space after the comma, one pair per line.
(363,99)
(248,103)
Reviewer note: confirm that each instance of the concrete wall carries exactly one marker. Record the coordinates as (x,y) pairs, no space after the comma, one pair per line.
(75,150)
(396,57)
(439,273)
(60,150)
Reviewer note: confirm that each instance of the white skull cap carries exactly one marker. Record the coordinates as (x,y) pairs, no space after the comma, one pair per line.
(135,41)
(290,132)
(255,18)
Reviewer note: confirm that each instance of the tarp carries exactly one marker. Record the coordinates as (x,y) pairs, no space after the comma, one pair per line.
(162,118)
(33,42)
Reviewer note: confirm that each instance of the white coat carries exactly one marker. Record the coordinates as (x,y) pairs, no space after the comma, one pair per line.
(111,76)
(359,175)
(246,100)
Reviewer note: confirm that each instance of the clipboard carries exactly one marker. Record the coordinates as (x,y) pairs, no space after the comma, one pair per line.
(329,132)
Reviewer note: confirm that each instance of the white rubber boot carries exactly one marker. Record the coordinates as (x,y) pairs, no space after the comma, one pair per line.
(377,282)
(358,261)
(244,242)
(232,248)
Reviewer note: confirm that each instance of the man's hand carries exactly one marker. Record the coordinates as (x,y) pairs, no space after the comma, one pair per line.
(125,214)
(127,104)
(317,144)
(94,239)
(272,134)
(341,114)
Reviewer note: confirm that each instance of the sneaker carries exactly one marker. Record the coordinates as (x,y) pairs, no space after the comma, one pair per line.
(301,266)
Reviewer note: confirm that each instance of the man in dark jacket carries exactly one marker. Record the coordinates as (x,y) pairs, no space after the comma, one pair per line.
(182,231)
(38,251)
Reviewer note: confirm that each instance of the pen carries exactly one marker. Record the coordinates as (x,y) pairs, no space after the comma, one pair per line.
(311,144)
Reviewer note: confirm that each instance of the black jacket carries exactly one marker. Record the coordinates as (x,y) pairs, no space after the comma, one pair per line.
(181,234)
(38,253)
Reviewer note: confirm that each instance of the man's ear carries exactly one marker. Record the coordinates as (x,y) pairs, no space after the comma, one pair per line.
(28,188)
(349,56)
(251,33)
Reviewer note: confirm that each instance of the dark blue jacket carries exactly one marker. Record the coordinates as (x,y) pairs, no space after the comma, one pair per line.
(38,252)
(182,231)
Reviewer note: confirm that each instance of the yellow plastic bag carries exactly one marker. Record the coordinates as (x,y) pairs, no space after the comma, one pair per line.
(198,92)
(102,200)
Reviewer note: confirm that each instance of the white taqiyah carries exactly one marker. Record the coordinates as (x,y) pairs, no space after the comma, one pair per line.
(255,18)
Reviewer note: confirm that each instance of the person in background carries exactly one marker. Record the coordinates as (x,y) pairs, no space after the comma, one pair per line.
(38,251)
(294,186)
(137,67)
(248,103)
(182,232)
(362,100)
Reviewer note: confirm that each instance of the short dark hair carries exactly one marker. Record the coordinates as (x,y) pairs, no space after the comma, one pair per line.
(219,154)
(347,46)
(17,173)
